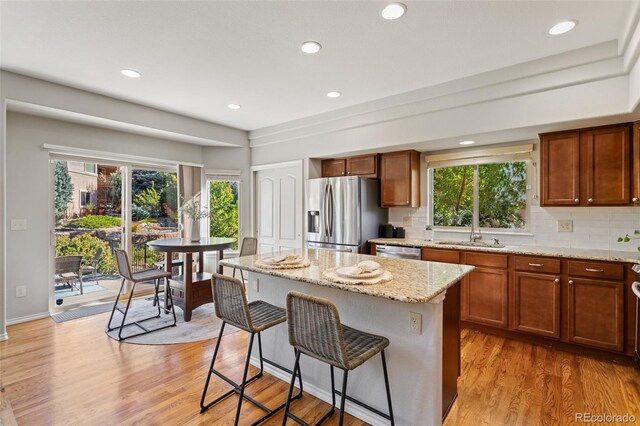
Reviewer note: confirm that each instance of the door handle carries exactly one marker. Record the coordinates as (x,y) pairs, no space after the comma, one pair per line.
(536,264)
(593,270)
(332,210)
(325,212)
(636,288)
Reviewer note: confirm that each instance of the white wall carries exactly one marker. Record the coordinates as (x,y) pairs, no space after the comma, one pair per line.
(3,162)
(593,227)
(27,196)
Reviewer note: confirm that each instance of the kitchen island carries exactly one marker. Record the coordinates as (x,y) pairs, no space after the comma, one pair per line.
(415,361)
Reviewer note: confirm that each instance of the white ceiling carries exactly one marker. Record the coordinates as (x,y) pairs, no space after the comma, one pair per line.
(197,57)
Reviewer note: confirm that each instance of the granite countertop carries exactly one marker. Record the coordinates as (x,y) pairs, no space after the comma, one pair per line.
(575,253)
(414,281)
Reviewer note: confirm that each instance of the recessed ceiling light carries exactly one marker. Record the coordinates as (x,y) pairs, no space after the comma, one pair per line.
(467,142)
(233,106)
(131,73)
(562,27)
(393,11)
(310,47)
(334,94)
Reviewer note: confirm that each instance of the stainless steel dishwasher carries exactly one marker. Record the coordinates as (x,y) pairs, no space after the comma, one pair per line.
(398,252)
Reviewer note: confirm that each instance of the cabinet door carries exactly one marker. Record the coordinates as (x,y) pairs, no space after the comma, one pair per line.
(536,304)
(334,167)
(362,165)
(485,297)
(560,171)
(635,195)
(596,313)
(400,185)
(607,166)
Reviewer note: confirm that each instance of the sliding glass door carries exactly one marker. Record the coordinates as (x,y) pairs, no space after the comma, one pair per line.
(100,207)
(88,227)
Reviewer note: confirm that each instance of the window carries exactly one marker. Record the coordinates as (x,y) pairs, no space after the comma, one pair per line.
(224,202)
(492,194)
(85,198)
(90,168)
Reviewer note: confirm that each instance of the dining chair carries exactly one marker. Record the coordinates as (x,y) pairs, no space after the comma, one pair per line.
(249,247)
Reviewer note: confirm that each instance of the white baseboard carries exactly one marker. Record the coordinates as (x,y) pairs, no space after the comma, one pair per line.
(324,395)
(4,337)
(28,318)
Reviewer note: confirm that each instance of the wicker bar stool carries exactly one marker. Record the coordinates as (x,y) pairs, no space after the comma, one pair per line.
(249,248)
(315,330)
(231,307)
(124,268)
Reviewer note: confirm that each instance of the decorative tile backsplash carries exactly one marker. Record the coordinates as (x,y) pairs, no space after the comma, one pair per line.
(593,227)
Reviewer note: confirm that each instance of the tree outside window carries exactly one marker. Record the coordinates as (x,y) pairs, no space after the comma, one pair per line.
(224,203)
(501,196)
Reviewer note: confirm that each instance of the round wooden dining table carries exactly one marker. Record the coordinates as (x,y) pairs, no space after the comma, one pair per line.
(191,289)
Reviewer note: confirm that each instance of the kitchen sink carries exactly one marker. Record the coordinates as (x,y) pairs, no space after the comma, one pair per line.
(469,244)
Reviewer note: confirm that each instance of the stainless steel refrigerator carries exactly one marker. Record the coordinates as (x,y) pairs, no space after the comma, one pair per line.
(343,213)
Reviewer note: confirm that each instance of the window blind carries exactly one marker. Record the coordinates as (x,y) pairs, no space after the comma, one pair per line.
(480,156)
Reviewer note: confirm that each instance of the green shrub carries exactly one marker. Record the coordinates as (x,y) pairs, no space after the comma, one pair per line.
(139,213)
(95,222)
(149,200)
(87,245)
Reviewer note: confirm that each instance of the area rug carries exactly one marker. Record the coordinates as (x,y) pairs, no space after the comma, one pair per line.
(86,311)
(64,290)
(204,325)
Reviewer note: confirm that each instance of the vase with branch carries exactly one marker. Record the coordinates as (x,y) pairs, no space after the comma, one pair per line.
(194,211)
(627,238)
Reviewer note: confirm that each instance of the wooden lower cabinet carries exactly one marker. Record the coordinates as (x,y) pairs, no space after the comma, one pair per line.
(596,313)
(450,347)
(485,297)
(535,305)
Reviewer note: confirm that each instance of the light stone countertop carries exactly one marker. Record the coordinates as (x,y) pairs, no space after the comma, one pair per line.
(590,254)
(414,281)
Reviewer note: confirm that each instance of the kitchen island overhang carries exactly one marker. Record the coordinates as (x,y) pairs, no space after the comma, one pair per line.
(414,360)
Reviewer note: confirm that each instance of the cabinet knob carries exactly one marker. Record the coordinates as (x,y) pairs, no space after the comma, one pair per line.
(577,200)
(635,199)
(348,173)
(570,281)
(342,172)
(590,200)
(557,281)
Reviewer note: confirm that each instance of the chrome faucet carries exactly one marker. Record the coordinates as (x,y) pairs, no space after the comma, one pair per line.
(474,236)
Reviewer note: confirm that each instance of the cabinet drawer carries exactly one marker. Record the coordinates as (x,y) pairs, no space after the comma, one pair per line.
(439,255)
(486,259)
(591,269)
(537,264)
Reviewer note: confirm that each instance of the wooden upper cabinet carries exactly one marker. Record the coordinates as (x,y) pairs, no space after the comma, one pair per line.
(400,179)
(560,171)
(607,167)
(601,156)
(362,165)
(359,165)
(334,167)
(635,194)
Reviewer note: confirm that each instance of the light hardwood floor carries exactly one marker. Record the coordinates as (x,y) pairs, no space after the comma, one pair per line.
(72,373)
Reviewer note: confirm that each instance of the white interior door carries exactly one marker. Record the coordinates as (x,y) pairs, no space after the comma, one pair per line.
(278,209)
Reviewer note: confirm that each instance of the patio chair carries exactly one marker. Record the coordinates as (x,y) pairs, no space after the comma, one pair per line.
(91,266)
(69,270)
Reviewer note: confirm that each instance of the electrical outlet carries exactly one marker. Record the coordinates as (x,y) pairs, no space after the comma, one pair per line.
(21,291)
(18,224)
(415,323)
(565,226)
